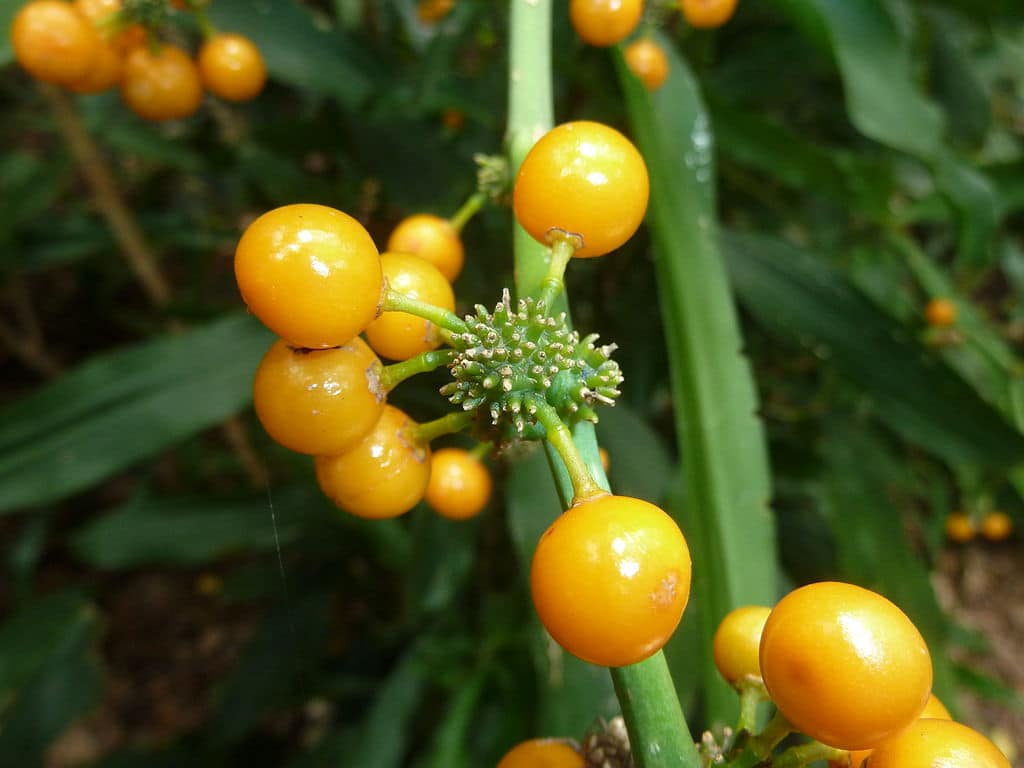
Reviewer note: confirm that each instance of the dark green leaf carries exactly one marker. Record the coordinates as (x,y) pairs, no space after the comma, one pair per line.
(882,97)
(125,406)
(30,637)
(640,463)
(68,683)
(800,297)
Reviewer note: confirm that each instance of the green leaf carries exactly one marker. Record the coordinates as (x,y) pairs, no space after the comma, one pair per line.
(383,739)
(35,633)
(798,296)
(640,463)
(190,530)
(874,58)
(8,8)
(67,683)
(720,437)
(274,668)
(975,200)
(125,406)
(572,692)
(297,47)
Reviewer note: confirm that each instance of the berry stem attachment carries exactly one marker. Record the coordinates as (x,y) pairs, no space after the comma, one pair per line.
(449,424)
(805,754)
(480,451)
(764,742)
(752,692)
(553,283)
(468,210)
(399,302)
(396,373)
(558,434)
(206,28)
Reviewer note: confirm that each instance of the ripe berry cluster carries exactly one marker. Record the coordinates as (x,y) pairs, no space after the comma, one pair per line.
(90,46)
(842,665)
(605,23)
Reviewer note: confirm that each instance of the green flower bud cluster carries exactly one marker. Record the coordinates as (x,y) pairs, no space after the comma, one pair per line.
(512,359)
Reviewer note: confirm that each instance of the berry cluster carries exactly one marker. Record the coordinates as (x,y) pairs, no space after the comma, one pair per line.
(90,46)
(842,665)
(605,23)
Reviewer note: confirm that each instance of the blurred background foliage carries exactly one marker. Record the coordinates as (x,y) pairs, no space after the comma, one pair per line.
(175,589)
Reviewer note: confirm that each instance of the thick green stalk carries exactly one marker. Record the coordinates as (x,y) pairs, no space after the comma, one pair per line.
(658,732)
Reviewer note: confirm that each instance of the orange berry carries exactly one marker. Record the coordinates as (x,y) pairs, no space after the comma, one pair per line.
(53,42)
(936,744)
(310,273)
(844,665)
(231,66)
(431,238)
(318,401)
(604,22)
(102,13)
(610,579)
(996,526)
(737,641)
(959,527)
(585,180)
(542,753)
(648,62)
(432,11)
(105,72)
(940,313)
(400,335)
(460,485)
(705,14)
(384,475)
(161,85)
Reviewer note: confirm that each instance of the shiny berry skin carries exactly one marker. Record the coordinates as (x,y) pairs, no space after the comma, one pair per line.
(310,273)
(542,753)
(161,85)
(605,22)
(460,485)
(648,62)
(934,709)
(996,526)
(321,401)
(937,744)
(737,640)
(431,238)
(54,42)
(231,66)
(585,179)
(940,313)
(707,14)
(960,527)
(384,475)
(400,335)
(610,579)
(844,665)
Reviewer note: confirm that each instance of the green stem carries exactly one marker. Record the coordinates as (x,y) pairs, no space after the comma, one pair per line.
(650,706)
(658,731)
(396,373)
(449,424)
(752,692)
(776,730)
(468,210)
(482,450)
(583,484)
(206,27)
(553,284)
(399,302)
(805,754)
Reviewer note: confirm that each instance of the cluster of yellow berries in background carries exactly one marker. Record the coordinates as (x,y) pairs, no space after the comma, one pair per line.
(88,46)
(994,526)
(603,23)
